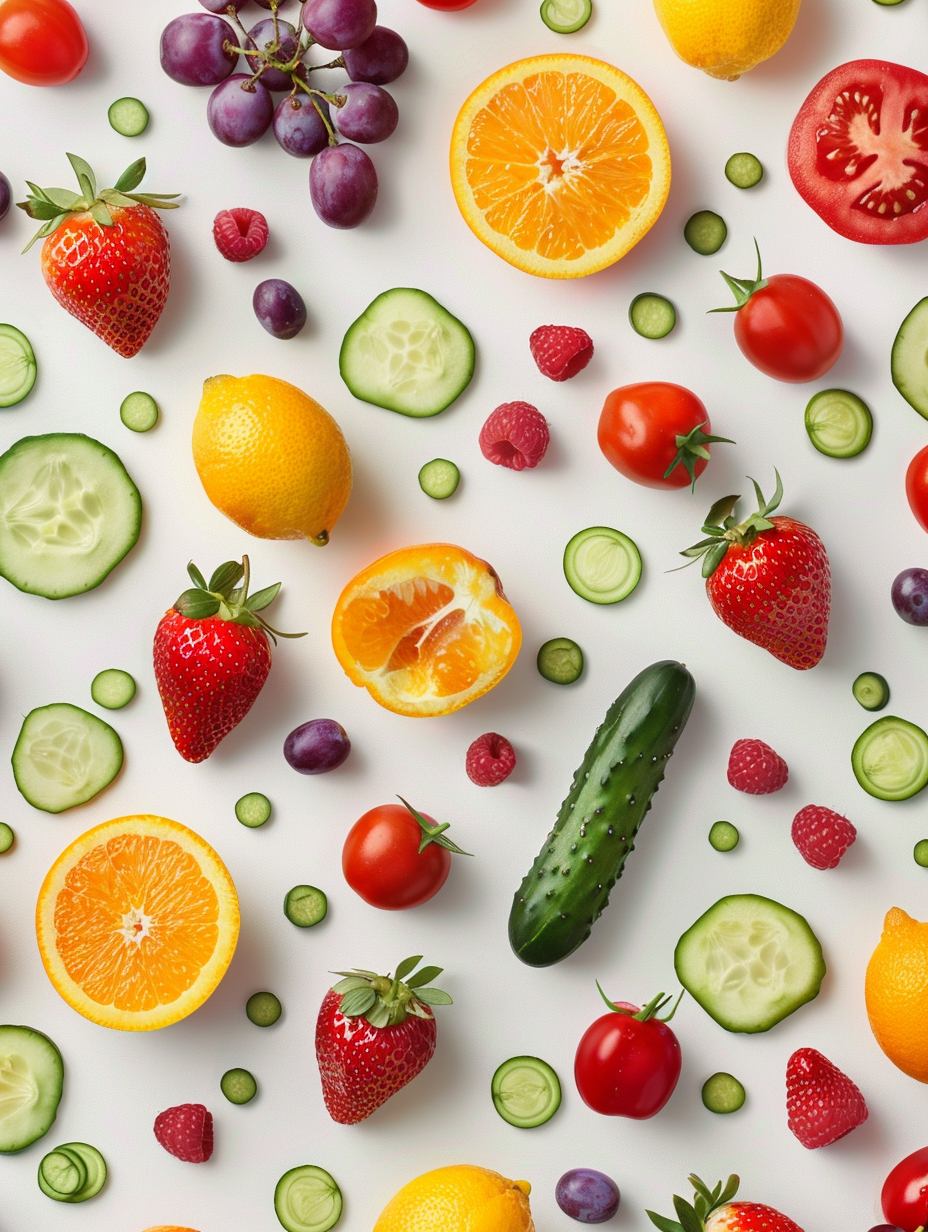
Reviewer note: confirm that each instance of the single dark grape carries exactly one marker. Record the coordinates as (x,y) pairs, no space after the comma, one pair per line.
(343,186)
(262,35)
(221,6)
(279,307)
(193,51)
(587,1195)
(6,195)
(238,116)
(317,746)
(369,115)
(910,596)
(885,1227)
(380,59)
(298,126)
(340,25)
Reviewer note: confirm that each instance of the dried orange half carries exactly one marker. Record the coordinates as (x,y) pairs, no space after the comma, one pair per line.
(426,629)
(137,922)
(560,164)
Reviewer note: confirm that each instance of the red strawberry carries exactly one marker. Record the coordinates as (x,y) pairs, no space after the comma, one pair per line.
(187,1132)
(822,1103)
(212,657)
(822,836)
(373,1035)
(714,1211)
(561,351)
(240,234)
(106,256)
(754,767)
(768,579)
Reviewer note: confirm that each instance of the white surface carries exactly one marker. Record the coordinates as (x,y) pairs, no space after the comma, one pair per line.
(116,1083)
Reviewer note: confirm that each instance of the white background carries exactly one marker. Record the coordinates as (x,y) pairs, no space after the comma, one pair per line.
(116,1083)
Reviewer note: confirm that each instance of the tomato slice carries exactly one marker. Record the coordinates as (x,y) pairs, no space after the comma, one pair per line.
(858,152)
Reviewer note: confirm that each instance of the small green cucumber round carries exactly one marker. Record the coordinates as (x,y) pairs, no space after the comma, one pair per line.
(560,660)
(253,809)
(744,170)
(238,1086)
(705,232)
(724,836)
(263,1009)
(723,1093)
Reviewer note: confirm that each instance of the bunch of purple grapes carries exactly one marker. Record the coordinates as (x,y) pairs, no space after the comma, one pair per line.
(202,49)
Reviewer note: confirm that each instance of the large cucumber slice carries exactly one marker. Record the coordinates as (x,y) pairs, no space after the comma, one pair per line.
(407,353)
(69,513)
(17,365)
(526,1092)
(31,1078)
(308,1199)
(64,756)
(890,759)
(750,962)
(909,365)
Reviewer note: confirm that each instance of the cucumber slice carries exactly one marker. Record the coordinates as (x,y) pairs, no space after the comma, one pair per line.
(139,411)
(6,837)
(17,365)
(305,906)
(560,660)
(651,315)
(909,363)
(112,688)
(602,565)
(566,16)
(128,116)
(526,1092)
(85,1160)
(31,1078)
(69,513)
(64,757)
(744,170)
(871,690)
(263,1009)
(723,836)
(307,1199)
(750,962)
(705,232)
(407,353)
(253,810)
(723,1093)
(439,478)
(887,3)
(839,423)
(64,1173)
(238,1086)
(890,759)
(920,853)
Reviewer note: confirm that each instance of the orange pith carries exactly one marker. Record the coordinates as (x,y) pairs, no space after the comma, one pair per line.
(426,629)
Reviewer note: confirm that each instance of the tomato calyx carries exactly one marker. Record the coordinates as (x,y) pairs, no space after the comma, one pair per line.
(387,1001)
(433,833)
(743,288)
(723,530)
(692,1216)
(647,1012)
(692,446)
(226,596)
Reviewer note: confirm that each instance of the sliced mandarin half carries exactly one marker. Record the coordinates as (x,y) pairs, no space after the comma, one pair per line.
(137,922)
(426,629)
(560,164)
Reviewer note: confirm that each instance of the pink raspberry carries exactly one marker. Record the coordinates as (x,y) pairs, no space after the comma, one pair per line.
(822,836)
(187,1132)
(755,768)
(560,351)
(516,435)
(240,234)
(490,760)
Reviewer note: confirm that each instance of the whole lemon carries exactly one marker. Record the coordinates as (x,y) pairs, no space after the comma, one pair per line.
(271,458)
(726,38)
(896,992)
(461,1198)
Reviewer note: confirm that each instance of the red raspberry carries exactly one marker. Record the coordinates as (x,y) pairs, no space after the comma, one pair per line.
(187,1132)
(490,760)
(755,768)
(515,435)
(561,351)
(240,234)
(822,836)
(822,1103)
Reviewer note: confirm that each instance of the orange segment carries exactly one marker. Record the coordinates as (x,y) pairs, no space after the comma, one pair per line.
(137,922)
(559,164)
(426,629)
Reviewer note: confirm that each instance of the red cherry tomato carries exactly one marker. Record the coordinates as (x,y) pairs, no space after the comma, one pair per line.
(382,862)
(905,1193)
(628,1062)
(447,6)
(916,487)
(790,329)
(42,42)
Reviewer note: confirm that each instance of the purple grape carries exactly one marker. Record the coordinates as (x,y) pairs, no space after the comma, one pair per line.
(343,186)
(6,195)
(193,52)
(317,746)
(266,4)
(279,307)
(380,59)
(263,37)
(340,25)
(587,1195)
(221,6)
(237,116)
(885,1227)
(298,127)
(910,596)
(370,114)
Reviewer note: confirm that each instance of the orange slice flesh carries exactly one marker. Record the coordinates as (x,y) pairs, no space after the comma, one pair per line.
(560,164)
(426,630)
(137,922)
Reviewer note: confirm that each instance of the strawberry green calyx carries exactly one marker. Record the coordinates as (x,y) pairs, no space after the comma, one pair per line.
(53,206)
(743,288)
(693,446)
(647,1012)
(433,833)
(692,1216)
(724,530)
(226,596)
(387,1001)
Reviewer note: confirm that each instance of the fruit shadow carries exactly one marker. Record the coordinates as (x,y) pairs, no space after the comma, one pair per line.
(815,31)
(184,301)
(366,518)
(283,696)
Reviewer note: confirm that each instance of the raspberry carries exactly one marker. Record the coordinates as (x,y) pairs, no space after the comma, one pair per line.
(822,1103)
(755,768)
(240,234)
(822,836)
(490,760)
(515,435)
(560,351)
(187,1132)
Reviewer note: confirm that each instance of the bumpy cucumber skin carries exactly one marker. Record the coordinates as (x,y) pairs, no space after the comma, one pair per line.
(568,887)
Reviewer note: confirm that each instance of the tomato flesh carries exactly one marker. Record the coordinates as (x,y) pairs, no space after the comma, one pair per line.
(790,329)
(905,1193)
(382,863)
(638,431)
(625,1067)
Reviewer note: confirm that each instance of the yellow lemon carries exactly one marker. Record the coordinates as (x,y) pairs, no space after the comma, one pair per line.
(726,38)
(897,993)
(271,458)
(462,1198)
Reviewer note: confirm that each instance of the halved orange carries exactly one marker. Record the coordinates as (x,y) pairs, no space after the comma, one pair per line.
(560,164)
(426,629)
(137,922)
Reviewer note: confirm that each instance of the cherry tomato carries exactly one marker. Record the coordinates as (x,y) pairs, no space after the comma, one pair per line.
(628,1061)
(396,857)
(447,6)
(655,433)
(42,42)
(916,487)
(905,1192)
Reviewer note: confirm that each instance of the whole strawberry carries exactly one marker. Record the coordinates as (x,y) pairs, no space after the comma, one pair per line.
(106,256)
(822,1103)
(768,579)
(714,1211)
(212,657)
(374,1034)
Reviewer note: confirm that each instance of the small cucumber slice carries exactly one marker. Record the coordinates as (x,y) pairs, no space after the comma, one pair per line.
(723,836)
(305,906)
(909,363)
(407,353)
(887,3)
(139,411)
(560,660)
(750,962)
(86,1160)
(253,810)
(128,116)
(526,1092)
(723,1093)
(439,478)
(307,1199)
(705,232)
(238,1086)
(890,759)
(63,1172)
(6,837)
(871,690)
(839,423)
(602,565)
(64,757)
(263,1009)
(31,1079)
(112,688)
(744,170)
(17,365)
(566,16)
(920,853)
(651,315)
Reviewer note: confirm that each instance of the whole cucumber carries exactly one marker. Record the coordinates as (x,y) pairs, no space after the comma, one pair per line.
(568,886)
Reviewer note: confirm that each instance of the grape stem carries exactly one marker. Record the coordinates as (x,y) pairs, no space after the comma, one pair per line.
(333,140)
(267,57)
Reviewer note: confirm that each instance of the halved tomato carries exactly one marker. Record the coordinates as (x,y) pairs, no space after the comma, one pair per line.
(858,152)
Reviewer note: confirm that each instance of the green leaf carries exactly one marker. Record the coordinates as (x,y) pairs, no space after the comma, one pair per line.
(114,198)
(722,508)
(40,209)
(37,192)
(713,559)
(371,975)
(85,176)
(263,598)
(101,214)
(703,1190)
(423,976)
(689,1220)
(46,229)
(197,605)
(731,1188)
(63,198)
(350,982)
(433,996)
(378,1015)
(226,577)
(698,549)
(407,965)
(662,1222)
(357,1001)
(774,502)
(196,576)
(156,203)
(759,522)
(131,177)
